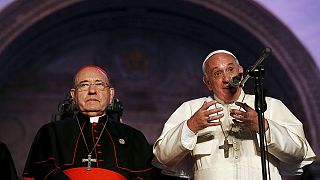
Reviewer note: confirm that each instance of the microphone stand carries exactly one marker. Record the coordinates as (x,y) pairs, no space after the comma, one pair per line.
(257,72)
(260,107)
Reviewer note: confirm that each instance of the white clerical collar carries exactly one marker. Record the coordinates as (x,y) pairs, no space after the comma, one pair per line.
(94,119)
(224,103)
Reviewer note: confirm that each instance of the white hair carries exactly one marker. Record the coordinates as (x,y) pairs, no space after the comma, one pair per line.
(217,52)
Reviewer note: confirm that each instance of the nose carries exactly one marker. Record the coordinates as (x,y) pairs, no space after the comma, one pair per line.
(226,77)
(92,89)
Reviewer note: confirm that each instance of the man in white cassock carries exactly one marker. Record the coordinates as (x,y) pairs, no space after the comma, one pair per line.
(221,131)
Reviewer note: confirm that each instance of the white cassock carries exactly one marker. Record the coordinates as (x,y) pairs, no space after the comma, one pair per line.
(288,149)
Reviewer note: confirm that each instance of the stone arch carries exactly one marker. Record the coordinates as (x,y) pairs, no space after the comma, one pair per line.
(41,39)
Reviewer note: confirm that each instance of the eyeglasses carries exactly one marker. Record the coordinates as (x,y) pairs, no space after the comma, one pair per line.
(98,85)
(220,74)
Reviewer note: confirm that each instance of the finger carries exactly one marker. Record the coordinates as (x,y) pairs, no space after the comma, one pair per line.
(206,104)
(215,118)
(237,121)
(238,112)
(213,111)
(215,124)
(243,105)
(239,118)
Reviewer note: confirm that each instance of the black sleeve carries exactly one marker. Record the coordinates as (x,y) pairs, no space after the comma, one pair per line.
(43,159)
(142,158)
(7,168)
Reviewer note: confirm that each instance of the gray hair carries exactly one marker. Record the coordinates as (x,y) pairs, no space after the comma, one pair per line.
(217,52)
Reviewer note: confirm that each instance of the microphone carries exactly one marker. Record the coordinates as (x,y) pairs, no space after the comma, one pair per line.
(266,52)
(235,81)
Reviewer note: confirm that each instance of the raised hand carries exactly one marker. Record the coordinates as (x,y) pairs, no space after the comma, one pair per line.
(247,118)
(204,118)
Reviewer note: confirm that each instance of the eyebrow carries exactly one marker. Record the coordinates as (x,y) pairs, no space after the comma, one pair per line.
(97,80)
(229,64)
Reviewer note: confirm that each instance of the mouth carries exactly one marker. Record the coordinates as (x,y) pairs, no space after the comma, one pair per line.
(90,100)
(229,88)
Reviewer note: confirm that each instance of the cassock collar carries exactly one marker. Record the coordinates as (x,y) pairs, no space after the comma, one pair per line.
(94,119)
(240,98)
(84,118)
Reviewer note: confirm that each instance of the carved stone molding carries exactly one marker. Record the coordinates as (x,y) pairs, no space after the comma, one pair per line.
(148,45)
(21,15)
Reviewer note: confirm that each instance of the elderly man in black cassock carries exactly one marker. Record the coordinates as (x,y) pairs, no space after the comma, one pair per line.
(90,145)
(7,168)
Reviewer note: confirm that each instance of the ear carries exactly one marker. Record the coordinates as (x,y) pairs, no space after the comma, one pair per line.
(206,81)
(72,91)
(111,95)
(240,69)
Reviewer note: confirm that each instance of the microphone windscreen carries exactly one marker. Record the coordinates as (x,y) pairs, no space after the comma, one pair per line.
(235,81)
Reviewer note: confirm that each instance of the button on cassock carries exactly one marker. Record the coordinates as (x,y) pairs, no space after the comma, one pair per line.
(122,141)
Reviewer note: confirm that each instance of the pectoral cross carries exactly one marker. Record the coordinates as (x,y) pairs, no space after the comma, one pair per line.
(226,146)
(89,160)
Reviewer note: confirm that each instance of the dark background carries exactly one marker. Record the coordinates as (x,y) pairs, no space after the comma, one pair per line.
(153,52)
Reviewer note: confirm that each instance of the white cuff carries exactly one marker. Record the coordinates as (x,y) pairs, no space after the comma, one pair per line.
(188,137)
(267,135)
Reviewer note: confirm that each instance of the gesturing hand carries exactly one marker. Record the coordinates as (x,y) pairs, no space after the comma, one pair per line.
(247,118)
(204,117)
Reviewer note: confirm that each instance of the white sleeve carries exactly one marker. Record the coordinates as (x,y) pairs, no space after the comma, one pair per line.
(286,140)
(176,140)
(188,137)
(284,145)
(169,149)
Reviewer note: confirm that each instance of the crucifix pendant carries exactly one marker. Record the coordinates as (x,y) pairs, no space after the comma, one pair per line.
(226,146)
(89,160)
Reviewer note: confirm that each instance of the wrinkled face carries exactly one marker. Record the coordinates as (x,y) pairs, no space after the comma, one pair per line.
(92,92)
(219,69)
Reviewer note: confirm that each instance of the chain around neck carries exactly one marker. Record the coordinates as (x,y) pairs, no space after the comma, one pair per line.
(223,131)
(84,139)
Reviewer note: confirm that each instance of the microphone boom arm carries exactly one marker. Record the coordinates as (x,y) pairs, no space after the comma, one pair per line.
(266,52)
